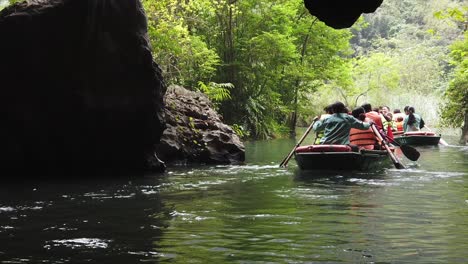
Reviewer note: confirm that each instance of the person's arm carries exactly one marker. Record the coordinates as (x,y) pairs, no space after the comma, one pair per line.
(318,126)
(355,123)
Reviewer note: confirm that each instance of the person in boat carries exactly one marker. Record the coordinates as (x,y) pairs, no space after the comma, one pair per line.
(337,127)
(328,112)
(412,121)
(373,115)
(406,110)
(397,113)
(387,118)
(387,121)
(399,123)
(364,139)
(398,118)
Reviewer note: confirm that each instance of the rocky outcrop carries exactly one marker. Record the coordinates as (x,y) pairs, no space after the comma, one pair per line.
(79,89)
(195,132)
(340,13)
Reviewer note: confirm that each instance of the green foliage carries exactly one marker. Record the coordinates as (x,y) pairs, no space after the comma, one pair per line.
(240,131)
(184,57)
(14,1)
(5,3)
(405,44)
(456,108)
(268,64)
(376,72)
(458,14)
(216,92)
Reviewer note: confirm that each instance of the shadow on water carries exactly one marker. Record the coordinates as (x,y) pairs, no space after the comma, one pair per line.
(99,220)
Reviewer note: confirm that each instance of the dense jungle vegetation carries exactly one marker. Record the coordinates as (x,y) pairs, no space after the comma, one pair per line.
(270,66)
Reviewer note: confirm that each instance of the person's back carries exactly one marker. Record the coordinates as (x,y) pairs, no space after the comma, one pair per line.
(373,115)
(362,138)
(376,118)
(337,127)
(412,121)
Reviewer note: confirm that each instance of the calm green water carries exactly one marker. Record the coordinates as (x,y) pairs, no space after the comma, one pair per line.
(254,213)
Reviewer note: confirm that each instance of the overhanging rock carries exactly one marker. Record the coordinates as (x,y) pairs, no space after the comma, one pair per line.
(340,13)
(79,87)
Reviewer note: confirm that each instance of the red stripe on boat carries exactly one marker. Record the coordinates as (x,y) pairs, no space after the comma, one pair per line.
(420,133)
(323,148)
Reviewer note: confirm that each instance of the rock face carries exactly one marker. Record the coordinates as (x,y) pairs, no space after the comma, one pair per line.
(340,13)
(79,88)
(195,132)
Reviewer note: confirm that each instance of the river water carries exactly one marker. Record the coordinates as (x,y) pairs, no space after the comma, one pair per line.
(252,213)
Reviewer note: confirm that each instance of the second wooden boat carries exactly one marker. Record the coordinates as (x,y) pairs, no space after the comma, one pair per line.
(418,138)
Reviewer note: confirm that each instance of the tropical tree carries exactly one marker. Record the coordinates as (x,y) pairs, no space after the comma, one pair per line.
(455,111)
(184,57)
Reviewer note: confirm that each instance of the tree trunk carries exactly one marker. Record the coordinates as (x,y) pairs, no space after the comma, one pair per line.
(464,136)
(292,125)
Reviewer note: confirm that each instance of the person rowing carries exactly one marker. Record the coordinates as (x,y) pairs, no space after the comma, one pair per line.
(337,127)
(328,112)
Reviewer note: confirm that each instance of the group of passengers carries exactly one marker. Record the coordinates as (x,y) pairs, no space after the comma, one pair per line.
(339,126)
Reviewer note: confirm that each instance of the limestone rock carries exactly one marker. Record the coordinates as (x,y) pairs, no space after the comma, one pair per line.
(195,132)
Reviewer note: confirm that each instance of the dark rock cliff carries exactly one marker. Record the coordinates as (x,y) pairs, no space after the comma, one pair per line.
(79,89)
(195,132)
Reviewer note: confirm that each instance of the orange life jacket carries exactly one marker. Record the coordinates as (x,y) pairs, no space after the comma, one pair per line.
(396,116)
(374,116)
(362,137)
(399,126)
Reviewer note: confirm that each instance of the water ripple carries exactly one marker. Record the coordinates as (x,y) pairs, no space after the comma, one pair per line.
(189,217)
(7,209)
(78,243)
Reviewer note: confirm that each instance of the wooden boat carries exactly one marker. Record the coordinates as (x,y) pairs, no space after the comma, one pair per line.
(339,157)
(418,138)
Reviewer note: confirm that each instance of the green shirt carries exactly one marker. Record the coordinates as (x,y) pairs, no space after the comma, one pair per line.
(336,128)
(319,134)
(414,126)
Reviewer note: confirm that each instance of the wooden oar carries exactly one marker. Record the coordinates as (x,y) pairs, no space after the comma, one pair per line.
(394,159)
(410,152)
(441,140)
(286,160)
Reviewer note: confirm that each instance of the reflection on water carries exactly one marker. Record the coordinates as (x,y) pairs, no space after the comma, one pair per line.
(254,213)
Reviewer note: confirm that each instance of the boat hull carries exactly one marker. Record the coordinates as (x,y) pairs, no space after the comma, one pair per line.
(418,140)
(347,161)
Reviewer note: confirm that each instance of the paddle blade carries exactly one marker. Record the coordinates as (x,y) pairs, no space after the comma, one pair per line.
(443,142)
(399,166)
(410,152)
